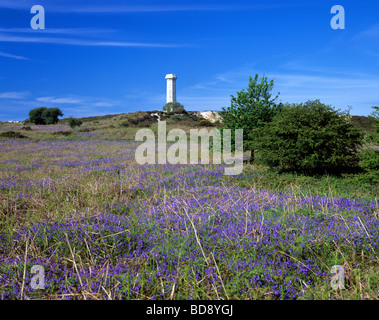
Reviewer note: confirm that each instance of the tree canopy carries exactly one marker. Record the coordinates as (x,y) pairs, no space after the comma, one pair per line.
(251,108)
(309,137)
(44,115)
(172,107)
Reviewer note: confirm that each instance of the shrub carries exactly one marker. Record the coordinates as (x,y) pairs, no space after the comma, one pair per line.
(144,124)
(369,158)
(138,119)
(173,107)
(250,109)
(175,117)
(51,115)
(35,116)
(44,115)
(205,123)
(73,122)
(309,138)
(12,134)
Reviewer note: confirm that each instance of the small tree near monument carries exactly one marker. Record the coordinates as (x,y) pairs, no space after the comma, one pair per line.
(251,109)
(173,107)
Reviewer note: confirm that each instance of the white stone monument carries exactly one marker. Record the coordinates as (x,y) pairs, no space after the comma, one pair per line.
(171,87)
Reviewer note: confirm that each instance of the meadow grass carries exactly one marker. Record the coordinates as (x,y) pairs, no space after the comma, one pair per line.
(104,227)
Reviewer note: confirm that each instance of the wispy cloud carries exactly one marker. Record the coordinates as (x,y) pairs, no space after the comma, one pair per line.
(306,67)
(372,32)
(337,88)
(367,41)
(12,56)
(78,106)
(80,42)
(14,95)
(79,101)
(59,100)
(227,79)
(103,104)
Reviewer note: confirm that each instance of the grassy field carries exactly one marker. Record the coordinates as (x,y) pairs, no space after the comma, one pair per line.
(103,227)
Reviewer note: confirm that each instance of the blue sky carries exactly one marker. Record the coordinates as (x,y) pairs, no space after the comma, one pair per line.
(108,57)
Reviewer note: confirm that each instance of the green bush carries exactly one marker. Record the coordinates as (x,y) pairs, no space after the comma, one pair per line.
(369,158)
(138,119)
(309,138)
(173,107)
(44,115)
(12,134)
(35,116)
(369,162)
(205,123)
(175,117)
(250,109)
(73,122)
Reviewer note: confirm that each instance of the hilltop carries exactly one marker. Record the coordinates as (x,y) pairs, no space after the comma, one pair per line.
(112,126)
(210,115)
(125,125)
(363,122)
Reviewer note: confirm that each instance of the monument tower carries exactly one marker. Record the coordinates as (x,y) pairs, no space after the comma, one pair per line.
(171,87)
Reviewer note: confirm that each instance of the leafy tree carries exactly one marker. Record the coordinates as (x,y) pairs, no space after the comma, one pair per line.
(36,115)
(309,137)
(250,109)
(173,107)
(73,122)
(44,115)
(51,115)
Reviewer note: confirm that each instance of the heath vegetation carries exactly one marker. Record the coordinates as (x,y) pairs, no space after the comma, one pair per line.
(104,227)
